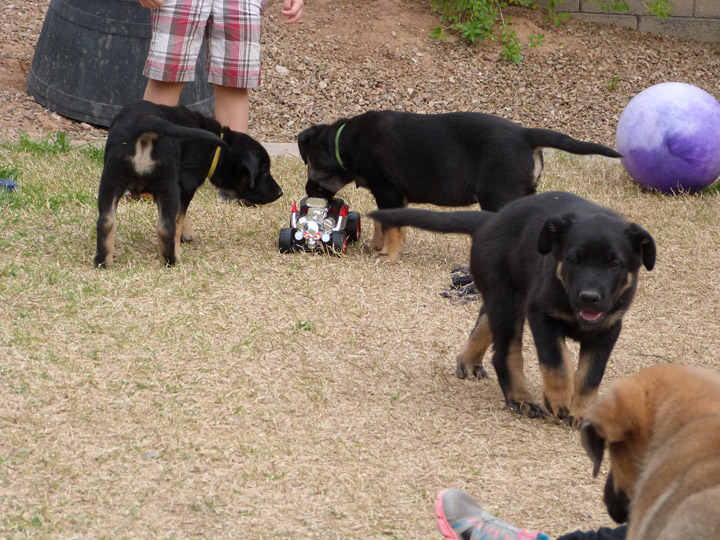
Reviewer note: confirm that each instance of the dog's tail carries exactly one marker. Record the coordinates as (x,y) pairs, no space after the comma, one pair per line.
(460,222)
(537,137)
(166,128)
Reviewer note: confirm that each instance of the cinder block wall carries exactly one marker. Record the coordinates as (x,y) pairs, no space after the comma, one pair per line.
(690,19)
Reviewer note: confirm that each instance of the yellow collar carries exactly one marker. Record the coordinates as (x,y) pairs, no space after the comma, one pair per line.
(215,160)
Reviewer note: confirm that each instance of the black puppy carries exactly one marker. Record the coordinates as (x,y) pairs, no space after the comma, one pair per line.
(454,159)
(567,265)
(169,152)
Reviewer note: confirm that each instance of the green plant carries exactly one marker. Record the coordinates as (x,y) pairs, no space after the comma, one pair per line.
(537,40)
(472,19)
(9,172)
(95,153)
(712,188)
(304,325)
(613,82)
(659,8)
(475,20)
(52,144)
(57,191)
(557,16)
(511,45)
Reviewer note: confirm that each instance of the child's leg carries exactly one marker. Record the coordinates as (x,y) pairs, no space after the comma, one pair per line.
(603,533)
(232,107)
(162,92)
(233,39)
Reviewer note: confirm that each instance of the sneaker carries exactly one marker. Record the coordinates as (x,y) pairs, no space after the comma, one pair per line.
(459,517)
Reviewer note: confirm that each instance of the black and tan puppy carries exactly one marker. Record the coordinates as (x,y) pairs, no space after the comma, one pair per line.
(454,159)
(661,427)
(566,265)
(169,152)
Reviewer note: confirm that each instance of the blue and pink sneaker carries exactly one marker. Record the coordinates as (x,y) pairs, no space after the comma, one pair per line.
(460,517)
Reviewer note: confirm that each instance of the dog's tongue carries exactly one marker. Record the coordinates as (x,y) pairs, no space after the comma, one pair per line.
(590,314)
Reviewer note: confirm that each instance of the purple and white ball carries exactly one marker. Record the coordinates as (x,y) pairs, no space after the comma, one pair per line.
(669,135)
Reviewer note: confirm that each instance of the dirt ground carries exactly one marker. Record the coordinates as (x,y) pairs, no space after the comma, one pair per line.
(347,57)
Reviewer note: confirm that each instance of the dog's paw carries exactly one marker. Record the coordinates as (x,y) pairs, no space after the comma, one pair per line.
(389,257)
(573,421)
(373,246)
(561,412)
(479,372)
(561,404)
(475,370)
(168,261)
(575,417)
(102,261)
(187,233)
(526,408)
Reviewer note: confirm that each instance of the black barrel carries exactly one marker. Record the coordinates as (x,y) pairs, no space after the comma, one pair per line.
(89,59)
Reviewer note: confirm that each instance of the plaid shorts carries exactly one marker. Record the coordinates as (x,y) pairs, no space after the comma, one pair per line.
(231,28)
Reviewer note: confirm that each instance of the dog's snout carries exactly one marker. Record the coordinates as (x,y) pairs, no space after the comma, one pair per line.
(313,189)
(274,194)
(616,501)
(590,298)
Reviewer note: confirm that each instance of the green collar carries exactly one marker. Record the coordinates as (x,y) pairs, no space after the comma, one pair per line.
(337,148)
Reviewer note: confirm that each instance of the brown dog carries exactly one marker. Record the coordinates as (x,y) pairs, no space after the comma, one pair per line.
(662,430)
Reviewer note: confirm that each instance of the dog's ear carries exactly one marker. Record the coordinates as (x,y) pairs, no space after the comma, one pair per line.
(593,443)
(304,141)
(250,162)
(251,178)
(552,232)
(644,244)
(613,418)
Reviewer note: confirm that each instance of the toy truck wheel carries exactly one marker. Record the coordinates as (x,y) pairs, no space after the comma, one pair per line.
(338,242)
(352,227)
(286,242)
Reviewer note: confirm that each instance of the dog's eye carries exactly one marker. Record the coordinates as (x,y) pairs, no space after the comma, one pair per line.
(574,260)
(614,263)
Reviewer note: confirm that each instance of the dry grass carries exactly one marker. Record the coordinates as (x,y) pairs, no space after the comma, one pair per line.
(250,394)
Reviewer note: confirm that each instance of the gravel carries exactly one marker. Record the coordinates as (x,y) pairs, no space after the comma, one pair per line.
(345,58)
